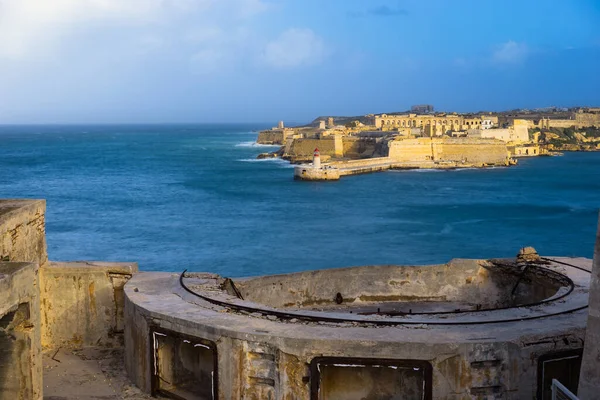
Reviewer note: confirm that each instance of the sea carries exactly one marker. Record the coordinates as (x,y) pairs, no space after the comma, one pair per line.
(194,196)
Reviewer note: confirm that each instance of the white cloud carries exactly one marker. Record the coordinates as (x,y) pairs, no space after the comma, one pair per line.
(294,48)
(30,27)
(510,53)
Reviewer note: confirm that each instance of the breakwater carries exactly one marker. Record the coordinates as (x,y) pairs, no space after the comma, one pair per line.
(336,170)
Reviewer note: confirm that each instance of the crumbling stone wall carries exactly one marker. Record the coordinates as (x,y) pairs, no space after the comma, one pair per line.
(20,346)
(82,303)
(22,231)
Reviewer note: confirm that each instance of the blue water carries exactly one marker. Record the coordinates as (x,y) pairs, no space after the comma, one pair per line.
(192,196)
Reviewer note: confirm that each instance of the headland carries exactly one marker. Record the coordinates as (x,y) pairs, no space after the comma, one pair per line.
(422,138)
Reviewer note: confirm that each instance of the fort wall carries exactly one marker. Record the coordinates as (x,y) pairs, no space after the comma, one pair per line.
(22,251)
(302,149)
(82,303)
(585,119)
(358,147)
(474,151)
(22,231)
(20,344)
(270,137)
(421,149)
(465,150)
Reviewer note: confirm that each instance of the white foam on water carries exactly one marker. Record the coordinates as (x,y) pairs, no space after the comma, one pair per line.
(280,163)
(416,170)
(256,145)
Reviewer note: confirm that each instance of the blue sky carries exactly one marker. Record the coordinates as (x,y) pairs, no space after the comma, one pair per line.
(118,61)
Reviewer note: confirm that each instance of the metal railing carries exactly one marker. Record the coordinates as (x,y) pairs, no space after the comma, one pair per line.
(560,392)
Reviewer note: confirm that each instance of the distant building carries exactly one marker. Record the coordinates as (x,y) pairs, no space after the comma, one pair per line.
(422,108)
(487,124)
(430,125)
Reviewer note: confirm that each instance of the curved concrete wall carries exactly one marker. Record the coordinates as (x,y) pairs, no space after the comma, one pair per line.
(464,281)
(261,356)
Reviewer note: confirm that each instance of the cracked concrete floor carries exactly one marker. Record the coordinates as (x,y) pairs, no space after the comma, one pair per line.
(87,374)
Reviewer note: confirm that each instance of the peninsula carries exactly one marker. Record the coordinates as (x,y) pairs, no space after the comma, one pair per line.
(331,147)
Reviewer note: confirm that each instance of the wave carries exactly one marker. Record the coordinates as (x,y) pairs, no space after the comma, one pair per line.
(281,163)
(416,170)
(256,145)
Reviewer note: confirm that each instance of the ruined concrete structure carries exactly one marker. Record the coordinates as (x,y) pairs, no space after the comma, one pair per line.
(468,329)
(49,305)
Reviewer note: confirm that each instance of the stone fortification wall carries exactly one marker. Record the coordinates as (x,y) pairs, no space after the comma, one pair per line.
(585,119)
(20,346)
(519,132)
(474,151)
(303,149)
(270,137)
(23,243)
(563,123)
(82,303)
(465,150)
(409,150)
(500,134)
(355,147)
(578,120)
(560,123)
(22,231)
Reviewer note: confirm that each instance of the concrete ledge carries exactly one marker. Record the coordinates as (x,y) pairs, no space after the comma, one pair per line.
(82,303)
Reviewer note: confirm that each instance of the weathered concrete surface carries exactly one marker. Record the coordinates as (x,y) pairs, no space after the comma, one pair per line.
(468,282)
(87,374)
(589,380)
(310,173)
(22,231)
(262,355)
(20,345)
(82,303)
